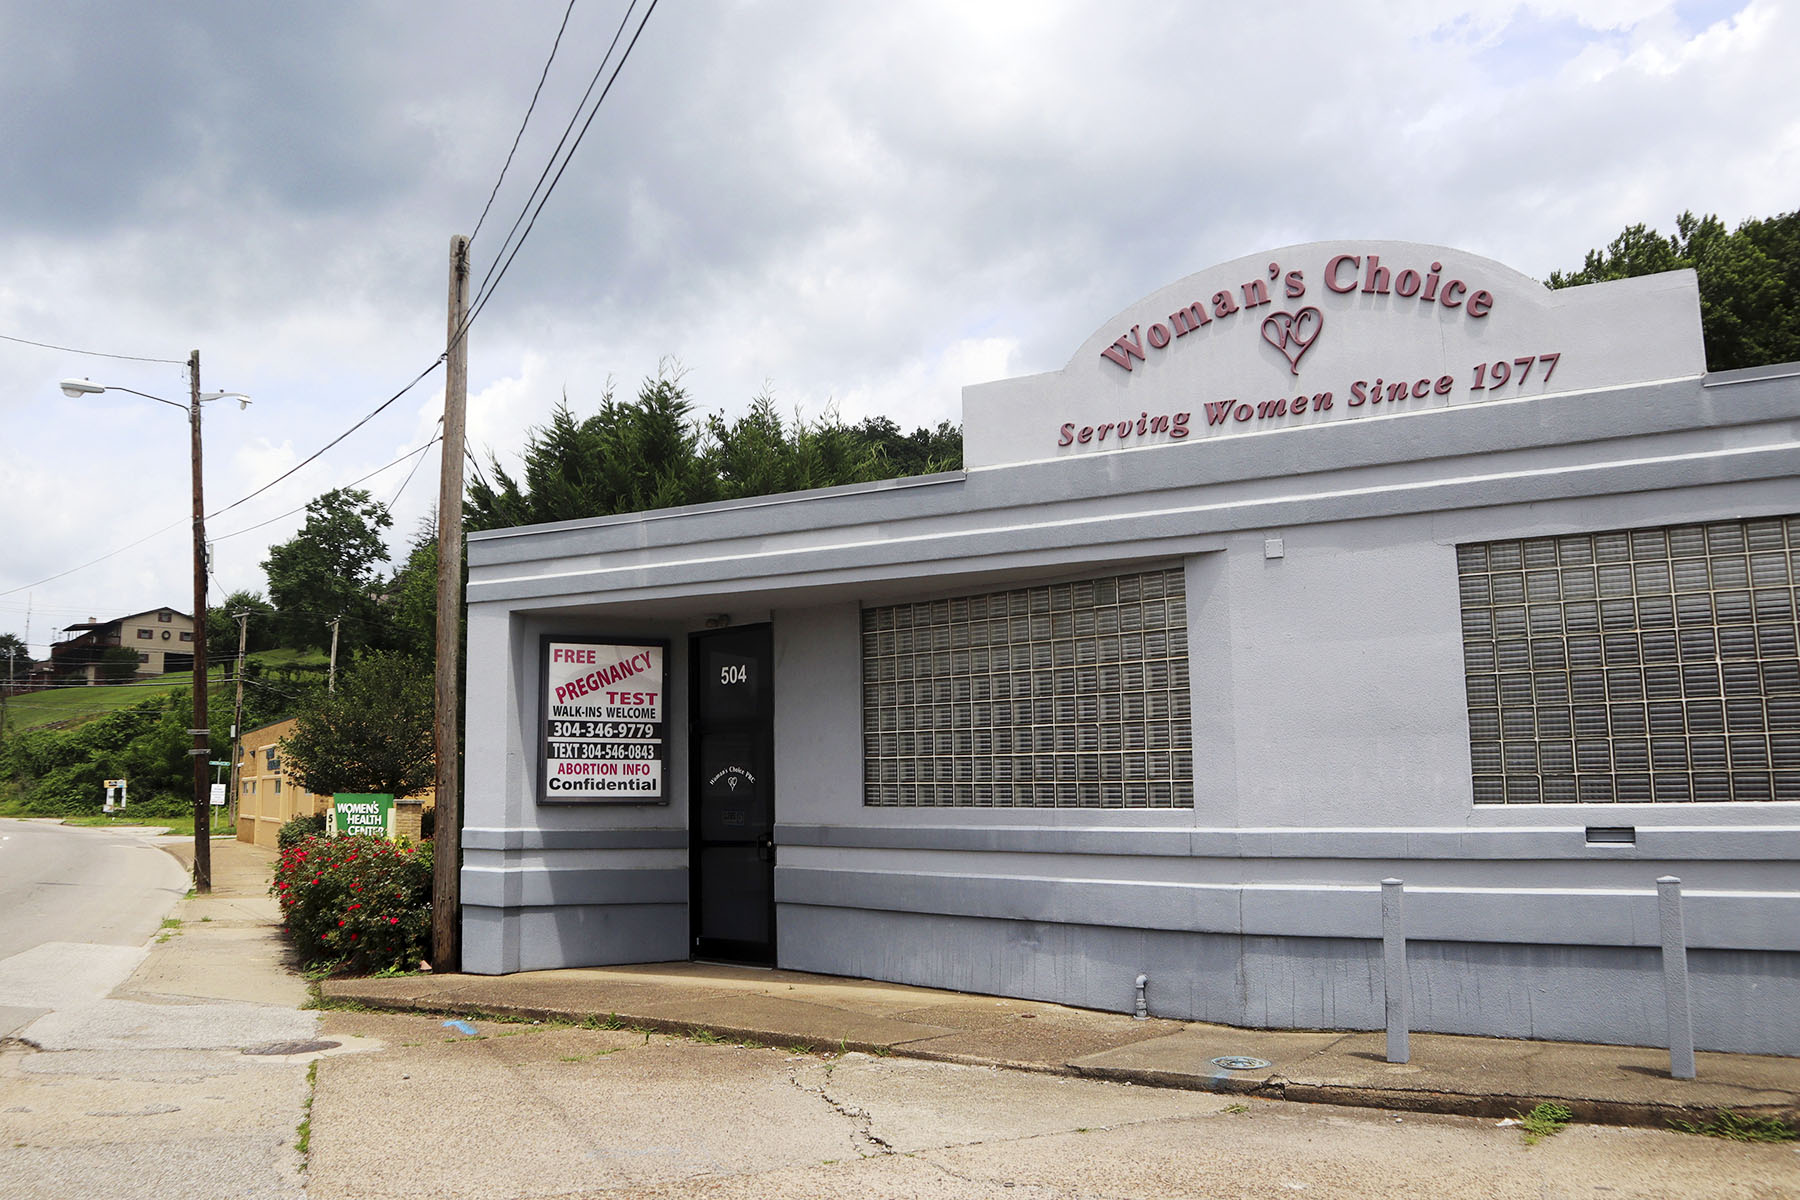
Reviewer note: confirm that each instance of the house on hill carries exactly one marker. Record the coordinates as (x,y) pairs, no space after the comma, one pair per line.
(162,637)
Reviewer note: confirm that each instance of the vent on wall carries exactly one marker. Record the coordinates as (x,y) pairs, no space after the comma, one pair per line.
(1612,835)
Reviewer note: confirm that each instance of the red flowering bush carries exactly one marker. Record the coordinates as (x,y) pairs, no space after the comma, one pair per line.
(358,902)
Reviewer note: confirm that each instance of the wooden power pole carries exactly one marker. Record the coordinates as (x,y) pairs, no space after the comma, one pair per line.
(200,731)
(446,881)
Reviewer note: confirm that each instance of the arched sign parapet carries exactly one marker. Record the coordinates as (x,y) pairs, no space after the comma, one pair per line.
(1332,331)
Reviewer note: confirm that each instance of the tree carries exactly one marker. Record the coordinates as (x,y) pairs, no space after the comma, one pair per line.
(922,452)
(630,456)
(222,626)
(760,455)
(117,665)
(15,657)
(1749,281)
(411,606)
(328,570)
(374,734)
(636,455)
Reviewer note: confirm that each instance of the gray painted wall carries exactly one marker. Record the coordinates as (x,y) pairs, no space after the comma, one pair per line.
(1330,733)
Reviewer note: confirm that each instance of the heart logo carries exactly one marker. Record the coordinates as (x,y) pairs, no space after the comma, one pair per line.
(1293,333)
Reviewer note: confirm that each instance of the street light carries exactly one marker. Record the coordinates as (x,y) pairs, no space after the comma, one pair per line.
(201,731)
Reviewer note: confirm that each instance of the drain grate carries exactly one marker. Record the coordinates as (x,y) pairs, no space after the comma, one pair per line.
(276,1048)
(1239,1062)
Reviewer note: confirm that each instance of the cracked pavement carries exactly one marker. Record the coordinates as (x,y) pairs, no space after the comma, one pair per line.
(416,1108)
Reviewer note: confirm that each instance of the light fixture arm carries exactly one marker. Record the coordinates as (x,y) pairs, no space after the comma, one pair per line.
(200,729)
(76,388)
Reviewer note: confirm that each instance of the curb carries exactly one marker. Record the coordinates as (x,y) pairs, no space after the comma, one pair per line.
(1588,1111)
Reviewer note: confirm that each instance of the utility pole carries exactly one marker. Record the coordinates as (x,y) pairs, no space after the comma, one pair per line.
(237,713)
(446,858)
(201,731)
(331,673)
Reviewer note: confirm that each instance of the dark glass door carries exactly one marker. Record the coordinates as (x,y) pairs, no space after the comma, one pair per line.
(732,811)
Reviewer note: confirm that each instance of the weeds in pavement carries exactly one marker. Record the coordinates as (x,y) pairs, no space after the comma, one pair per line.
(1727,1124)
(1546,1120)
(1236,1108)
(303,1131)
(705,1037)
(316,998)
(610,1021)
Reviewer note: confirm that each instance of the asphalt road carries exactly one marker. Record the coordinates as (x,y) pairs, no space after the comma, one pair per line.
(417,1108)
(133,1074)
(76,908)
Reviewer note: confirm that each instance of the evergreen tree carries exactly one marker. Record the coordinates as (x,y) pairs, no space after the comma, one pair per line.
(647,453)
(630,456)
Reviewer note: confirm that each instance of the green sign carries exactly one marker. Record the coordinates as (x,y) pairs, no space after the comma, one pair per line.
(362,813)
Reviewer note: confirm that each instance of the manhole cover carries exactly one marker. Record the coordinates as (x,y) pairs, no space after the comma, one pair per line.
(276,1048)
(1238,1062)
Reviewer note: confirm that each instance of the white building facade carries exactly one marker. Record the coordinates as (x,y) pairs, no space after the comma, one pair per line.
(1343,562)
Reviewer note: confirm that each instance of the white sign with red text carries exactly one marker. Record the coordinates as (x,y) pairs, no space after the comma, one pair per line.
(1328,334)
(604,713)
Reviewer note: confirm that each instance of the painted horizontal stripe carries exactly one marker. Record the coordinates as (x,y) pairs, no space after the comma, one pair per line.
(479,838)
(1536,916)
(1730,843)
(512,887)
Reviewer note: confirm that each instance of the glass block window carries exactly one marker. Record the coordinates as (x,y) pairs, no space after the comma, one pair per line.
(1070,695)
(1646,665)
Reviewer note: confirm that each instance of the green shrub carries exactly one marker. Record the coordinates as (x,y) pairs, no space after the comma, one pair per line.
(298,830)
(62,772)
(358,902)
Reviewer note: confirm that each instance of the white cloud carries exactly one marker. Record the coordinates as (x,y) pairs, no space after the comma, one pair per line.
(871,206)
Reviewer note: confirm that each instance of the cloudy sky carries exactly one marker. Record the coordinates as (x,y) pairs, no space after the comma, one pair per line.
(855,205)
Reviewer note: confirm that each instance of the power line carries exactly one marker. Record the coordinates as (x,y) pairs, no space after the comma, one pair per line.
(93,561)
(563,140)
(379,408)
(436,438)
(493,282)
(529,109)
(419,450)
(159,532)
(178,362)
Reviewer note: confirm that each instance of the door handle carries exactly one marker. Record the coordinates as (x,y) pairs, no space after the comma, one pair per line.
(765,848)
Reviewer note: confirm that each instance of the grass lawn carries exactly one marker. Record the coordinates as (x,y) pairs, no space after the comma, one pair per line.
(291,658)
(177,826)
(73,705)
(70,706)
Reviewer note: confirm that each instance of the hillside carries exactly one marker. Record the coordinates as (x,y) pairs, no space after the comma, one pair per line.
(66,708)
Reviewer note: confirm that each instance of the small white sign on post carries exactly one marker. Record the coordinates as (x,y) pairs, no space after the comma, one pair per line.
(218,795)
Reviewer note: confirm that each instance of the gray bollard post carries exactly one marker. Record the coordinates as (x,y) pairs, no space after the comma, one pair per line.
(1675,977)
(1393,971)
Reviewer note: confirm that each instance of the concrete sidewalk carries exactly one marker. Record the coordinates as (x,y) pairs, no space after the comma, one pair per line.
(1471,1076)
